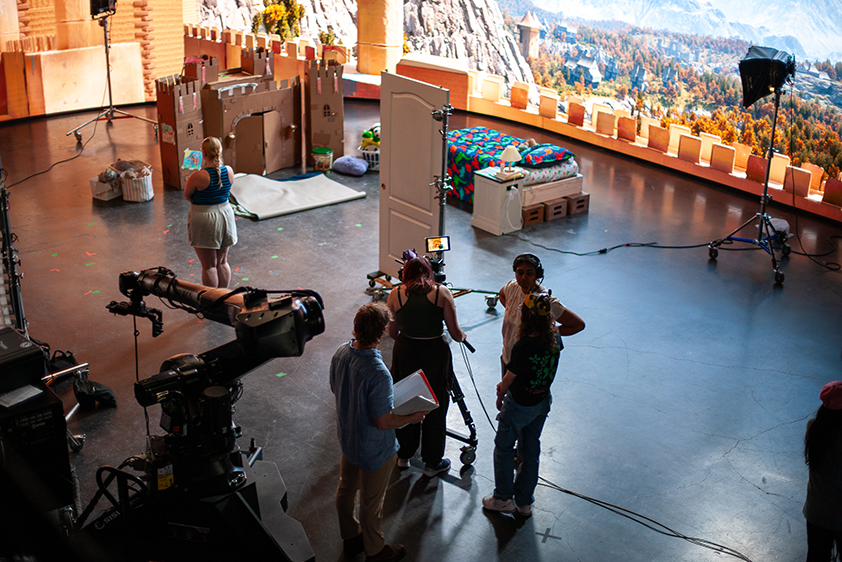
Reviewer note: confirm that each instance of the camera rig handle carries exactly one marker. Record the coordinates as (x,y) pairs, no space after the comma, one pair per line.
(139,310)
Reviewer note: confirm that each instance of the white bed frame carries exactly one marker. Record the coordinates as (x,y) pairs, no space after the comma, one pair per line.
(543,192)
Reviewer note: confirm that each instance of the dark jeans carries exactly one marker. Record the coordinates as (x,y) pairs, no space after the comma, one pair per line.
(820,543)
(522,425)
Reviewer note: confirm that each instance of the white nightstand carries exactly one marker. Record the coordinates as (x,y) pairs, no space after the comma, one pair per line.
(497,204)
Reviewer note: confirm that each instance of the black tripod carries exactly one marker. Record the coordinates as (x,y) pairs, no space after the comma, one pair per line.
(108,113)
(766,233)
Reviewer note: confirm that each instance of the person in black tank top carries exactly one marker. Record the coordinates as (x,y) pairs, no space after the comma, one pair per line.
(211,229)
(419,306)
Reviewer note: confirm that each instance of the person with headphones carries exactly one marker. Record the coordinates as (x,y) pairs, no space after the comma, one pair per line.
(529,272)
(419,306)
(523,399)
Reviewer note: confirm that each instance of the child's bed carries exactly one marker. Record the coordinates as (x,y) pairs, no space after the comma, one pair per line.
(479,147)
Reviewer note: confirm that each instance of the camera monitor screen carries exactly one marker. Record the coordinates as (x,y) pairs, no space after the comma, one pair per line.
(438,243)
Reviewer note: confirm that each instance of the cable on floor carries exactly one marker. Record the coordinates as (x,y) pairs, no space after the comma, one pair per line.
(832,266)
(647,522)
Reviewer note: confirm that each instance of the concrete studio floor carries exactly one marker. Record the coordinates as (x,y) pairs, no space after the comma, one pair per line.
(684,400)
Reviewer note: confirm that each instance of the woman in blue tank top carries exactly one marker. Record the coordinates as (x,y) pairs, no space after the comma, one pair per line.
(211,229)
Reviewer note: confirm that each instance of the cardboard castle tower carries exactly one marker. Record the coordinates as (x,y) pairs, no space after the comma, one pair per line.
(324,99)
(257,119)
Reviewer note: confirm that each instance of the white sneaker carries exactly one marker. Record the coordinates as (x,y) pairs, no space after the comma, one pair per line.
(503,506)
(524,510)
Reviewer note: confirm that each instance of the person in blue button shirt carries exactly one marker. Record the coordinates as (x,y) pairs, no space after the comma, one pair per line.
(363,389)
(211,229)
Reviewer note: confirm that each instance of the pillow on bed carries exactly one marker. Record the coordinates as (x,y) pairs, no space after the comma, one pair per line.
(544,156)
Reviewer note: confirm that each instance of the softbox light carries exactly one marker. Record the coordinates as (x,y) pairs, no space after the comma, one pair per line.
(763,71)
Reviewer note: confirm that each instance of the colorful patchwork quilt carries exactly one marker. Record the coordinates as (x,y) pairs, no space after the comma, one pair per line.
(476,148)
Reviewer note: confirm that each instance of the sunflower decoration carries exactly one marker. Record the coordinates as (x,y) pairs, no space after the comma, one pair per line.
(280,17)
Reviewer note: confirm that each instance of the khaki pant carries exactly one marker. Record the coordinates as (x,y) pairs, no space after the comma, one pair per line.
(372,487)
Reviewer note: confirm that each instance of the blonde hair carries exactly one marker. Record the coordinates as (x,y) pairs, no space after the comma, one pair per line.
(212,148)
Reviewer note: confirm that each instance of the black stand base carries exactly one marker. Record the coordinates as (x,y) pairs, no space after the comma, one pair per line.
(247,524)
(766,237)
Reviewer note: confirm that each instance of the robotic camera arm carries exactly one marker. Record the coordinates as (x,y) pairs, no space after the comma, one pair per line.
(197,392)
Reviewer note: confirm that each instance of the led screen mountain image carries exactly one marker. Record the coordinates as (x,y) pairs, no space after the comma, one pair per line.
(763,71)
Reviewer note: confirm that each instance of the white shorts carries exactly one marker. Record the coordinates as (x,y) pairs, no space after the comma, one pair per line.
(211,226)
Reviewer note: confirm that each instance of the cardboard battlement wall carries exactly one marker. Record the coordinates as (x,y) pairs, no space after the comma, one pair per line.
(258,120)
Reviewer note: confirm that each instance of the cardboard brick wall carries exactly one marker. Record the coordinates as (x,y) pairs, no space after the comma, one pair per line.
(659,139)
(675,131)
(605,123)
(645,123)
(549,103)
(780,162)
(576,114)
(519,95)
(756,168)
(689,148)
(722,158)
(166,37)
(708,140)
(17,103)
(797,181)
(441,71)
(741,154)
(816,175)
(833,192)
(627,129)
(59,81)
(492,88)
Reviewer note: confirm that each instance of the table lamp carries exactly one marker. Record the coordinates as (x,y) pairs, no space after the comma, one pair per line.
(510,155)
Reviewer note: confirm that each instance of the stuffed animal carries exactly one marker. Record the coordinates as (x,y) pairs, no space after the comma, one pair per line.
(371,137)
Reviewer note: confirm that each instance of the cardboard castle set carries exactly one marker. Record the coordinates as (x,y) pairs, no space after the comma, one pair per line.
(259,119)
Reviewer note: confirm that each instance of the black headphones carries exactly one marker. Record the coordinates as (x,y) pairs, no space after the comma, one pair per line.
(530,259)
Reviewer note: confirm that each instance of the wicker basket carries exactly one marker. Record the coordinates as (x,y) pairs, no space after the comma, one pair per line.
(372,156)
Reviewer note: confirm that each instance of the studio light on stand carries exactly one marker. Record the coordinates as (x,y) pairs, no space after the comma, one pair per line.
(763,71)
(510,155)
(101,10)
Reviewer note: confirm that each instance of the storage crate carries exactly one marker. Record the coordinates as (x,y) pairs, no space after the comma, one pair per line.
(555,209)
(371,156)
(578,203)
(533,214)
(104,191)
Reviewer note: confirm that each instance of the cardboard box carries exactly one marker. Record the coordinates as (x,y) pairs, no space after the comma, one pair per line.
(104,191)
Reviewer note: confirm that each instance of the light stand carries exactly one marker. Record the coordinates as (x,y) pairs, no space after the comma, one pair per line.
(108,113)
(10,260)
(763,70)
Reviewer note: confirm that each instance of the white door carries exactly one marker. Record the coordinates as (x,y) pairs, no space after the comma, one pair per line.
(410,157)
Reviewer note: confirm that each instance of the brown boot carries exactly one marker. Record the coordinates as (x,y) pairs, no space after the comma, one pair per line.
(390,553)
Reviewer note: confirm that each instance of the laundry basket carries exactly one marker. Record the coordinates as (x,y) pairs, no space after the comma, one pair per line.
(371,154)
